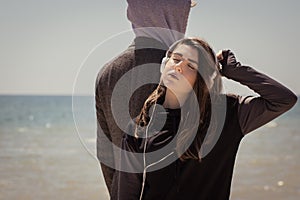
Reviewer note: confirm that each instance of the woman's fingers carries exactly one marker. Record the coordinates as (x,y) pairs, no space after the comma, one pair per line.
(220,55)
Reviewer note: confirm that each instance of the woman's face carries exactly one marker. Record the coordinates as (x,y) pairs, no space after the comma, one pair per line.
(181,69)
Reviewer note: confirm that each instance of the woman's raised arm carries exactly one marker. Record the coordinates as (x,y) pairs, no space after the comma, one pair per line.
(254,112)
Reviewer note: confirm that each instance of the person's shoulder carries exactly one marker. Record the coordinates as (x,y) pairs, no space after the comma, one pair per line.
(119,62)
(232,99)
(117,66)
(232,96)
(223,99)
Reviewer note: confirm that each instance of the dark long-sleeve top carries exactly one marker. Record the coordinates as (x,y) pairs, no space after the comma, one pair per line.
(211,178)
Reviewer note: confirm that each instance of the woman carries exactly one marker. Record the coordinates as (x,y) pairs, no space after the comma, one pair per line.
(185,117)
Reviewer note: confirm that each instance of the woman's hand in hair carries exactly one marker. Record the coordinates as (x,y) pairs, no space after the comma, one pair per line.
(226,58)
(219,58)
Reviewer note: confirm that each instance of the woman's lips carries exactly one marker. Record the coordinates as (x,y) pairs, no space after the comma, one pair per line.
(173,75)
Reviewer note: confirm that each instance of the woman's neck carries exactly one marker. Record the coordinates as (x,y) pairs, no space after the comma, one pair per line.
(174,101)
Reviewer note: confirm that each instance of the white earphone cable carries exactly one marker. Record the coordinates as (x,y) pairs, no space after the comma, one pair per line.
(164,60)
(145,146)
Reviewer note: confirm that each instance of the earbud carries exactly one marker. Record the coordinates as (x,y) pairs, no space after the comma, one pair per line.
(163,64)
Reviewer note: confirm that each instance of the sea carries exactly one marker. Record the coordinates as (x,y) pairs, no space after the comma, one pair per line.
(47,151)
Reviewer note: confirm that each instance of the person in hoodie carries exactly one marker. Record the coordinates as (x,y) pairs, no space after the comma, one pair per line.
(180,146)
(156,24)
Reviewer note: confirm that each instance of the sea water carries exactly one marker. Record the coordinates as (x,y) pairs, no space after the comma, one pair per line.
(47,151)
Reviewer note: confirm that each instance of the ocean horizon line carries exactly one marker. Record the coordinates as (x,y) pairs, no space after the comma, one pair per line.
(59,95)
(46,95)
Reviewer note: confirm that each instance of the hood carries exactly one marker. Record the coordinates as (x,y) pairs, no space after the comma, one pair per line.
(163,20)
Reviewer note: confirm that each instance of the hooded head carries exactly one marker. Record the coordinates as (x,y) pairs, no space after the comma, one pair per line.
(163,20)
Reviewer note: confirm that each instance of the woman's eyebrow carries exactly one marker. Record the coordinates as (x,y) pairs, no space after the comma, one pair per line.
(191,60)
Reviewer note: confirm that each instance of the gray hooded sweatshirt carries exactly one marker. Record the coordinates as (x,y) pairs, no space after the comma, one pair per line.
(163,20)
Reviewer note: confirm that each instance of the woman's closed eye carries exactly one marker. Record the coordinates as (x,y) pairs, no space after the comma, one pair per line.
(176,60)
(192,67)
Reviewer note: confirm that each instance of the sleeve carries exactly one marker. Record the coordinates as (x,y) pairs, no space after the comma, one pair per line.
(274,99)
(104,149)
(130,183)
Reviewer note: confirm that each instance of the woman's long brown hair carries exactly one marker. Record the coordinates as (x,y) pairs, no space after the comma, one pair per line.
(188,145)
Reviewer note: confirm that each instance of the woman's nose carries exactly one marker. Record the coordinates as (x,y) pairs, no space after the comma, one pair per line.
(178,67)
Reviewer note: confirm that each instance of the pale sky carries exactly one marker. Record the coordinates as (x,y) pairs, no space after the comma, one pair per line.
(45,42)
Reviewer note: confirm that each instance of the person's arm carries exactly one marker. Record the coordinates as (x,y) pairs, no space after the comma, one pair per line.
(104,148)
(254,112)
